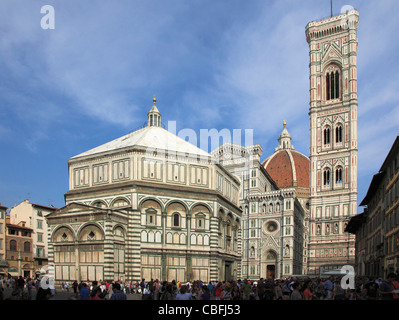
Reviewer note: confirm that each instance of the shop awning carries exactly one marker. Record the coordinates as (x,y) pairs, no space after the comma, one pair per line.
(13,274)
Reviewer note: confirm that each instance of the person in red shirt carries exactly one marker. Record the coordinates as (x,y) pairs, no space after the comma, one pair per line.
(395,286)
(307,292)
(218,290)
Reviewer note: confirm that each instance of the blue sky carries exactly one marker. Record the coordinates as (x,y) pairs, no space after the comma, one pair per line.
(212,64)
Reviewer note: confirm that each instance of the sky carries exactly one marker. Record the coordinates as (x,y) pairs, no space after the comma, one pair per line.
(227,64)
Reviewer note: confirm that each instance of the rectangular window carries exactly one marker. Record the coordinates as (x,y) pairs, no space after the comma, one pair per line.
(40,237)
(200,222)
(100,173)
(81,177)
(199,176)
(39,213)
(152,169)
(121,169)
(220,180)
(39,224)
(176,172)
(150,219)
(40,252)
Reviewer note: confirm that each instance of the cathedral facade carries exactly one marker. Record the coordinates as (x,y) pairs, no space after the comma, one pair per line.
(274,198)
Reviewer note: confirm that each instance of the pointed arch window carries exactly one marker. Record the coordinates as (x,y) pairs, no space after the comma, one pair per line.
(333,87)
(326,177)
(338,133)
(327,135)
(338,175)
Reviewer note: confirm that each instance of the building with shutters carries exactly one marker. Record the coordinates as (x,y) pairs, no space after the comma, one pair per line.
(34,217)
(377,228)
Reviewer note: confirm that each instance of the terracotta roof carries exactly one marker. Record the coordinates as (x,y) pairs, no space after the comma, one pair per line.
(9,225)
(288,168)
(45,207)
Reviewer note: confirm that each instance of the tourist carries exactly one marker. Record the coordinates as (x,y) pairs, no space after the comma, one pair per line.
(118,294)
(20,285)
(75,287)
(339,292)
(218,290)
(329,288)
(319,290)
(226,292)
(371,288)
(286,290)
(183,294)
(278,291)
(269,290)
(386,287)
(296,295)
(307,292)
(95,294)
(395,287)
(205,293)
(84,292)
(167,293)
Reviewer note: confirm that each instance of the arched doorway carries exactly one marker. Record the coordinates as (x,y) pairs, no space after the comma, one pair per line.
(269,265)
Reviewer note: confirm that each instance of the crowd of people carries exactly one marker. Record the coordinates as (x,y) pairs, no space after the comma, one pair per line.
(292,288)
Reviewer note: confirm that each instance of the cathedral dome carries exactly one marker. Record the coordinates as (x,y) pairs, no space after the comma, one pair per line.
(287,167)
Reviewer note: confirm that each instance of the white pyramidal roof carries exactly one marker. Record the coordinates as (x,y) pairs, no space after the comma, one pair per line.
(152,138)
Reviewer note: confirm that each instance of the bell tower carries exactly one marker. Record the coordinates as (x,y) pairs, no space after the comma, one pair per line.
(333,139)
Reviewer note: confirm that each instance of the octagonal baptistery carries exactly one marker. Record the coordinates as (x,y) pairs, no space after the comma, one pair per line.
(147,205)
(287,167)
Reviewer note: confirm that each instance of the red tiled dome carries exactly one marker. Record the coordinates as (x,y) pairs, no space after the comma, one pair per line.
(288,168)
